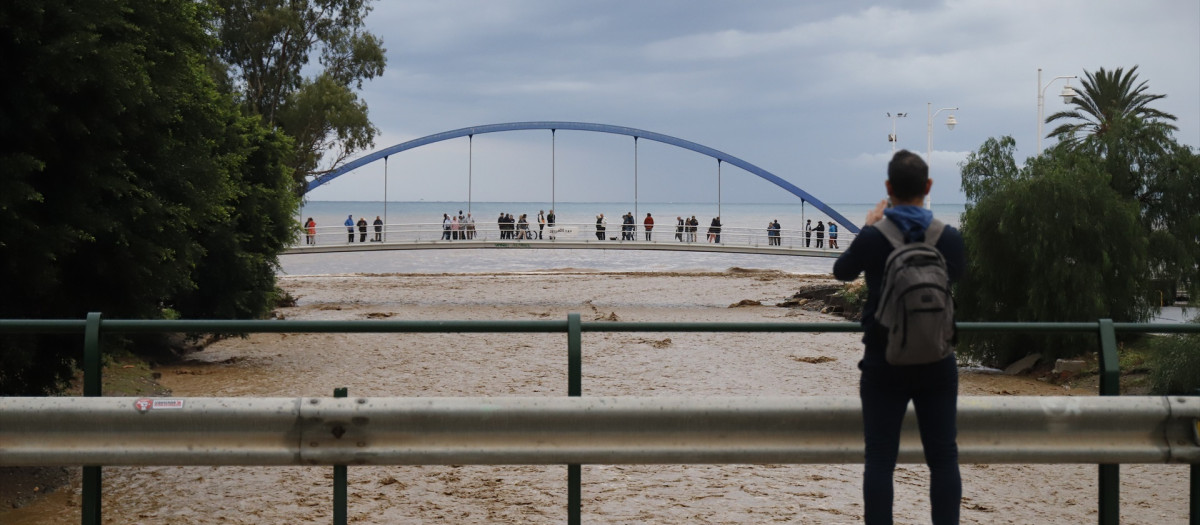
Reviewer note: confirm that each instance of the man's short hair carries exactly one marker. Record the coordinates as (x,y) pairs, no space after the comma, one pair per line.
(908,175)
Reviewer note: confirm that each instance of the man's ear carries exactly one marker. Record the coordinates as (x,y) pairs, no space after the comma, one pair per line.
(888,184)
(928,184)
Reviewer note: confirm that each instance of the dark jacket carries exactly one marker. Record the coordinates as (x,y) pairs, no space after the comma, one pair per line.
(867,254)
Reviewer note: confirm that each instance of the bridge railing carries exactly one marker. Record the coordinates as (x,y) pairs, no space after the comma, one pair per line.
(575,232)
(1150,430)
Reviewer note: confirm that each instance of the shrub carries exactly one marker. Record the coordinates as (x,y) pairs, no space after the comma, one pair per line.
(1175,366)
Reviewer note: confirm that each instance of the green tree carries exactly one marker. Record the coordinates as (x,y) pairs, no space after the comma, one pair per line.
(1113,120)
(1109,99)
(119,157)
(993,164)
(235,277)
(1060,245)
(266,46)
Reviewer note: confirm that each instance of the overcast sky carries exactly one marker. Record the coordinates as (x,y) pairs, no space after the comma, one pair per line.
(800,89)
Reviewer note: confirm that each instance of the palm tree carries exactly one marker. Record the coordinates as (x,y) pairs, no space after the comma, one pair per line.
(1108,99)
(1113,119)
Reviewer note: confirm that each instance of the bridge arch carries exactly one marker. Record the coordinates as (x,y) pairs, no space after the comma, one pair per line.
(585,126)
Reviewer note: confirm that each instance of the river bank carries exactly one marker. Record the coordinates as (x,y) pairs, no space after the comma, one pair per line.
(637,364)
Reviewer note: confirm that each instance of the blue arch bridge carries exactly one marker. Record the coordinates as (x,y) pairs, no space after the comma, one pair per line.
(425,236)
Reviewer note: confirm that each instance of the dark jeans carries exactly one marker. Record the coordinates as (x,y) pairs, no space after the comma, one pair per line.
(885,392)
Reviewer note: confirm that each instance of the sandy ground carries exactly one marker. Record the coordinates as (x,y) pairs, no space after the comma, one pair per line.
(640,364)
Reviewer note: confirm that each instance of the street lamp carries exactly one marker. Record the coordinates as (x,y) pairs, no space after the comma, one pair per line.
(1067,94)
(892,138)
(950,123)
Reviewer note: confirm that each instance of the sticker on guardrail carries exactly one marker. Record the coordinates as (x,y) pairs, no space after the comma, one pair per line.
(146,404)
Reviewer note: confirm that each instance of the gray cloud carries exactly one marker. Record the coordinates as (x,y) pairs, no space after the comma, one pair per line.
(798,88)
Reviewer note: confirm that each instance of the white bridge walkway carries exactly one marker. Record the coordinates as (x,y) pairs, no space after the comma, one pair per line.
(564,237)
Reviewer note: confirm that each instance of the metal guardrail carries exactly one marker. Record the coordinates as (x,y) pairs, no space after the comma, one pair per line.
(93,327)
(584,430)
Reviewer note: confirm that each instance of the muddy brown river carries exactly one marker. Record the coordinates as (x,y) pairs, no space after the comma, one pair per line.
(640,364)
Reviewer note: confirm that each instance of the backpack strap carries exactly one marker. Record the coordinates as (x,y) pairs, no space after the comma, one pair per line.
(893,234)
(934,232)
(890,231)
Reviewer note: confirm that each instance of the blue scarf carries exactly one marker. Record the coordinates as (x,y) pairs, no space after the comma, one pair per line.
(912,220)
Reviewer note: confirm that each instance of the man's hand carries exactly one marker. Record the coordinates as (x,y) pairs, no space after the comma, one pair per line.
(876,214)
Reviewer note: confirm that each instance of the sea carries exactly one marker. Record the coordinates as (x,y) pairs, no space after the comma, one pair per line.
(739,220)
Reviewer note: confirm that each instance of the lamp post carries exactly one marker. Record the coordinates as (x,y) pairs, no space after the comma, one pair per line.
(1067,94)
(892,138)
(950,123)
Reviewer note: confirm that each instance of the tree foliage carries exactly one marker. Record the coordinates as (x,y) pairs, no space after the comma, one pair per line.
(266,46)
(1109,100)
(1056,246)
(128,183)
(1079,232)
(1175,364)
(1113,120)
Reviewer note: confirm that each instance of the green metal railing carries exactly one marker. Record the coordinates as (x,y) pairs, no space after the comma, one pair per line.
(93,328)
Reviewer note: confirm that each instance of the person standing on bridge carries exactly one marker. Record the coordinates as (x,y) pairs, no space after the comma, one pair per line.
(820,229)
(541,223)
(310,231)
(601,225)
(362,229)
(550,219)
(378,229)
(523,228)
(885,389)
(349,228)
(714,230)
(808,233)
(679,226)
(778,233)
(648,224)
(832,235)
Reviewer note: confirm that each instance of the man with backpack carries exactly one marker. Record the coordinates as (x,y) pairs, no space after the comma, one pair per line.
(909,259)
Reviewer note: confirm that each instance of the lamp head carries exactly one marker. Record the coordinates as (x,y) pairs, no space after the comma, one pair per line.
(951,122)
(1068,94)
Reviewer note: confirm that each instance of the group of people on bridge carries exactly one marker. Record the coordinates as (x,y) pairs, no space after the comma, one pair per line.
(809,230)
(518,229)
(362,229)
(310,229)
(458,227)
(462,227)
(685,229)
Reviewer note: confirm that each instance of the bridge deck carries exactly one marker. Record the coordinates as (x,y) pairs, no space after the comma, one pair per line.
(560,244)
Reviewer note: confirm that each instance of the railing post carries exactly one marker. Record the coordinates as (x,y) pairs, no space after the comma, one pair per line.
(574,389)
(339,481)
(92,478)
(1194,505)
(1110,385)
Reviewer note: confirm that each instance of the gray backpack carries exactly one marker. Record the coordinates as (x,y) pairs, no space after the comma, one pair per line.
(915,306)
